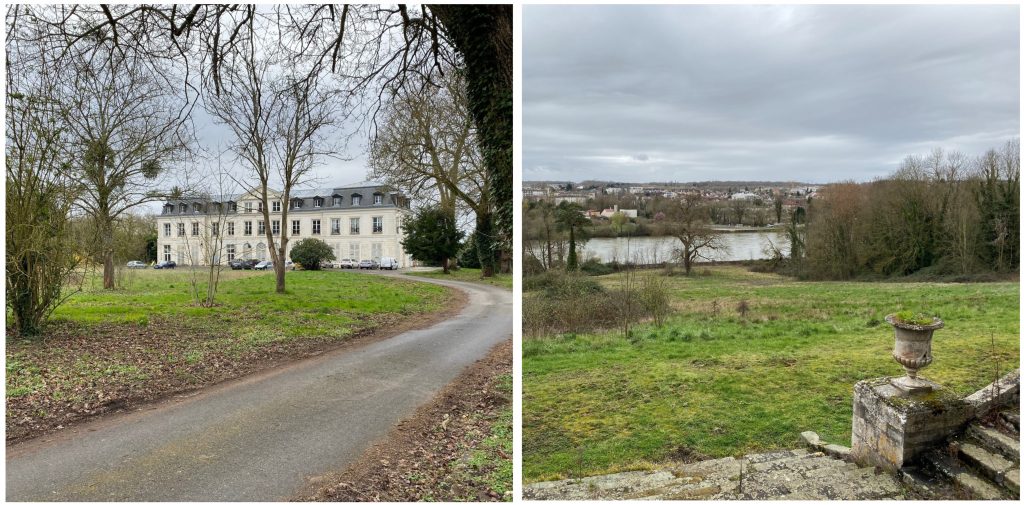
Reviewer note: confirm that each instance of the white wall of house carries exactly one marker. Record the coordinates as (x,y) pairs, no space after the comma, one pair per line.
(196,245)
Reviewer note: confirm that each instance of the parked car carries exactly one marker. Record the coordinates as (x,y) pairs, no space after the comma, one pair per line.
(235,264)
(368,265)
(165,264)
(289,265)
(264,265)
(326,264)
(348,263)
(249,264)
(387,263)
(136,264)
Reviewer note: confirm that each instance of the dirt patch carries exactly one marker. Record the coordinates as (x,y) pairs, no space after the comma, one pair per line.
(446,451)
(82,371)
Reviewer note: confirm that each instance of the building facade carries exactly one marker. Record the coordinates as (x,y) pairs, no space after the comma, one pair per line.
(359,221)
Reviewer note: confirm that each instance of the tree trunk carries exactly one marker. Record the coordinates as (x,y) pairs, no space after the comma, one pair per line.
(687,260)
(107,252)
(445,266)
(485,243)
(483,35)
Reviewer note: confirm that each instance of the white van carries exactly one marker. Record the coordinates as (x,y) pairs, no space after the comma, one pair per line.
(387,263)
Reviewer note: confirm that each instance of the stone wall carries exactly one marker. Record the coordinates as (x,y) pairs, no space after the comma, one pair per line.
(890,428)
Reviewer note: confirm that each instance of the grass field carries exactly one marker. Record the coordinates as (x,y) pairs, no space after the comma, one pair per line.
(715,383)
(469,275)
(106,348)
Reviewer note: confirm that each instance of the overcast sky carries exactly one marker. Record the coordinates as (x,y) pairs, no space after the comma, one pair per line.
(808,93)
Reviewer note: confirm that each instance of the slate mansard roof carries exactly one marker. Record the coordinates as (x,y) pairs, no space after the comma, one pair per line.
(366,191)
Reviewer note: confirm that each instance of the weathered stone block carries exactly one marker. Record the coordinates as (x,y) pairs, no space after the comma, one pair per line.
(890,428)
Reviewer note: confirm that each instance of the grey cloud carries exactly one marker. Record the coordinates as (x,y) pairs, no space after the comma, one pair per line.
(813,93)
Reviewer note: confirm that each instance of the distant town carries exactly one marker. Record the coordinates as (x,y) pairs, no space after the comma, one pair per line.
(733,203)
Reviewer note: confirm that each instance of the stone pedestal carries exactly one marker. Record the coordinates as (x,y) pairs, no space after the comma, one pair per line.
(890,428)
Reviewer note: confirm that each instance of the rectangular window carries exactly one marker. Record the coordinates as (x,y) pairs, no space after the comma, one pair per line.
(167,229)
(181,229)
(335,226)
(296,203)
(376,250)
(354,226)
(353,251)
(261,227)
(356,199)
(167,253)
(231,251)
(259,206)
(231,228)
(378,199)
(337,201)
(214,229)
(275,206)
(378,225)
(316,227)
(195,208)
(248,207)
(195,229)
(232,207)
(275,227)
(182,207)
(318,202)
(296,228)
(247,228)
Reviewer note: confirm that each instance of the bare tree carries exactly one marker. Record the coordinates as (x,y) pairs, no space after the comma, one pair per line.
(379,46)
(127,129)
(280,124)
(427,148)
(688,221)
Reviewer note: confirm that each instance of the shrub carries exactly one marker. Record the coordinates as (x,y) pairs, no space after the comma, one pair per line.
(310,252)
(593,266)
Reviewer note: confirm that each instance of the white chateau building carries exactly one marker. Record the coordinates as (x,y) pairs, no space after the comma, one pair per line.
(359,221)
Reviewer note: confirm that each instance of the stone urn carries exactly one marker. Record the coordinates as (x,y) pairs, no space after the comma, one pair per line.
(914,351)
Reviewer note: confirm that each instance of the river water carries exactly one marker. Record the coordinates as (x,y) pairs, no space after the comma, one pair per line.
(651,250)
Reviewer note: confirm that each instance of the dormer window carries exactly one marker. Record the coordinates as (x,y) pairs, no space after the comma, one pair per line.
(196,207)
(318,202)
(378,199)
(182,208)
(232,207)
(296,203)
(337,201)
(356,200)
(168,208)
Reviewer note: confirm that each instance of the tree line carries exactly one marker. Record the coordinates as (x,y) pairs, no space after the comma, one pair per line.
(945,214)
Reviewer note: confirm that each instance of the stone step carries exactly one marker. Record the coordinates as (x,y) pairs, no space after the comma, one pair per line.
(988,463)
(962,476)
(926,485)
(1011,418)
(993,439)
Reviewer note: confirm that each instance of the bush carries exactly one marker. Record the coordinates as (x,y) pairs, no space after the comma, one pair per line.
(555,303)
(593,266)
(310,252)
(468,257)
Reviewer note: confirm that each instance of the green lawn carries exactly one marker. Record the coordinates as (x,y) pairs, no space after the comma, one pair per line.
(148,338)
(711,383)
(469,275)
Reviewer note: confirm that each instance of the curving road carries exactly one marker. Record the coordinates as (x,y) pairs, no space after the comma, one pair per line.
(257,439)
